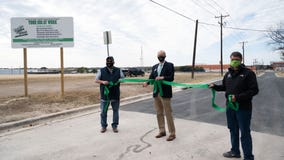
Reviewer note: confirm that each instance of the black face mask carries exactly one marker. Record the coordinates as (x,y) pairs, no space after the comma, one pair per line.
(109,64)
(161,59)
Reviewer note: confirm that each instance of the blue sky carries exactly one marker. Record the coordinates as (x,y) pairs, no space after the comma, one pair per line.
(142,23)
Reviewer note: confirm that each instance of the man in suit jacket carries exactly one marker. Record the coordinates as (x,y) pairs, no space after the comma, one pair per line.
(163,71)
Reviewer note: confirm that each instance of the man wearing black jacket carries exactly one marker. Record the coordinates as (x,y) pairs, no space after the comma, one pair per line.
(163,71)
(240,84)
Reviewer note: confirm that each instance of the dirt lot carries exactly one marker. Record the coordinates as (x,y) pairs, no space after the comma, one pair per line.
(44,93)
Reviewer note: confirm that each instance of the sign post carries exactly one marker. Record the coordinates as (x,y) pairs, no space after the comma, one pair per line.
(107,40)
(25,72)
(62,71)
(42,32)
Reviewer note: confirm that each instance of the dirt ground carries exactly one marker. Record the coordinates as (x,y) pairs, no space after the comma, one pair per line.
(44,93)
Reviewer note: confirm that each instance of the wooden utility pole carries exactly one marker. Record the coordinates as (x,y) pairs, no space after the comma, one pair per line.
(243,48)
(221,38)
(141,58)
(107,40)
(194,49)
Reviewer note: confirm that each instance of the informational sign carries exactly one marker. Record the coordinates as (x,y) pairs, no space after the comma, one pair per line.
(41,32)
(107,37)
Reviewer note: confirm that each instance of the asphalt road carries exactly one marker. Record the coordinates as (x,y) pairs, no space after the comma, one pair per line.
(78,136)
(195,104)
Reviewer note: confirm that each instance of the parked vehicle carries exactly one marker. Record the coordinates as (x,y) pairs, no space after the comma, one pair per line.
(133,72)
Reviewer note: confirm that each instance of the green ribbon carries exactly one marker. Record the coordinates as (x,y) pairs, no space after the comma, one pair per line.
(185,85)
(157,83)
(215,106)
(106,93)
(232,105)
(158,87)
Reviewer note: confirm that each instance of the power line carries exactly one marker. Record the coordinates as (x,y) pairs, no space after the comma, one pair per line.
(173,11)
(237,36)
(203,7)
(219,6)
(211,6)
(209,29)
(204,23)
(247,29)
(209,24)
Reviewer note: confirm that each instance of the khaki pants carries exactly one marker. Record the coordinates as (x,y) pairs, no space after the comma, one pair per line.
(163,105)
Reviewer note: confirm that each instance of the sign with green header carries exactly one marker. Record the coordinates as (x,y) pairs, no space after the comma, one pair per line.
(42,32)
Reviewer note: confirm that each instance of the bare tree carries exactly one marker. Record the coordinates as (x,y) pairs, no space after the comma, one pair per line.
(277,37)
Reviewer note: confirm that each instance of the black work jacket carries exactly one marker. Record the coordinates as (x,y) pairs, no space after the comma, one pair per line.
(241,83)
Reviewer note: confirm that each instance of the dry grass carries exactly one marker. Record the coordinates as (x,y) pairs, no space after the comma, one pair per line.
(80,90)
(280,74)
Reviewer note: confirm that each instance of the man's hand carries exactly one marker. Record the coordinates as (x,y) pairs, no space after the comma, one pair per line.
(211,85)
(159,78)
(105,82)
(145,84)
(234,98)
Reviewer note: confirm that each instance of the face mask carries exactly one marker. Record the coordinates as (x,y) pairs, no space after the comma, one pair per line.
(109,65)
(235,63)
(161,59)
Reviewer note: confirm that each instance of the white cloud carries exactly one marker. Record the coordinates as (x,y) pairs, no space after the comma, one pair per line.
(143,23)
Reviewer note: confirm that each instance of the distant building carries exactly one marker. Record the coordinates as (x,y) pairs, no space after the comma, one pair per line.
(43,70)
(278,66)
(217,67)
(213,67)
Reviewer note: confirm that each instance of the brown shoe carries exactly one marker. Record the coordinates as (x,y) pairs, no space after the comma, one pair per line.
(115,130)
(162,134)
(171,137)
(103,130)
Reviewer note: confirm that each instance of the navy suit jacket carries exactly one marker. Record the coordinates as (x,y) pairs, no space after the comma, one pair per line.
(168,72)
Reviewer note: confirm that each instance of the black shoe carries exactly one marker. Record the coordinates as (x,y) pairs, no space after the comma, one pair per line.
(115,130)
(161,134)
(171,137)
(230,154)
(103,130)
